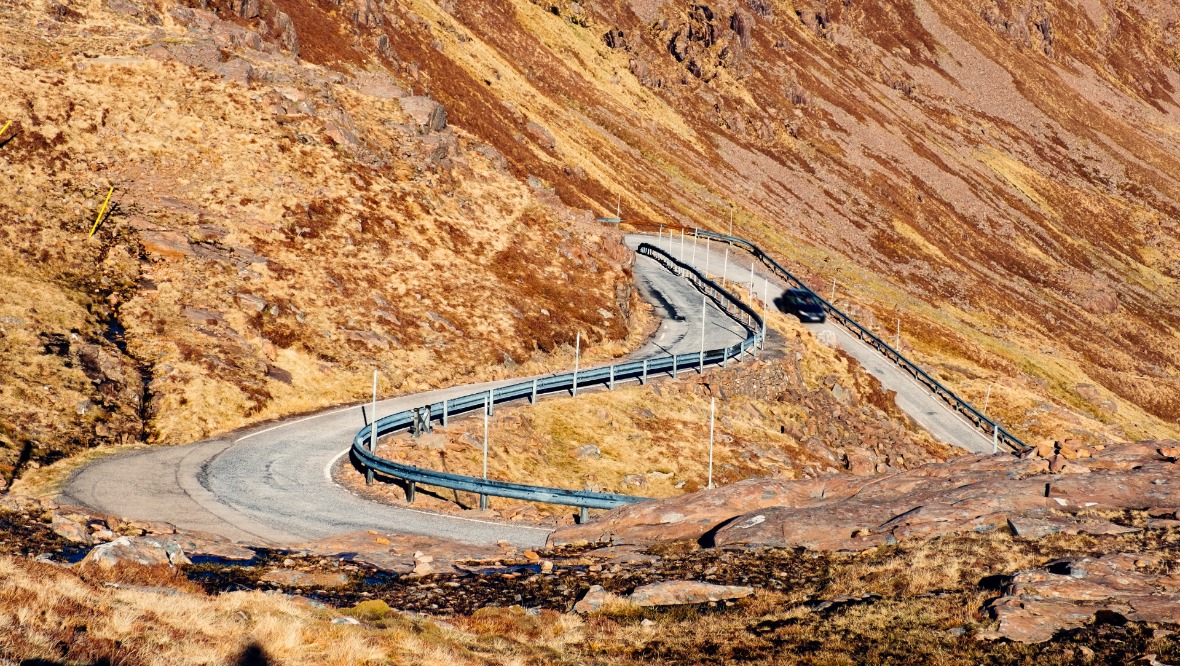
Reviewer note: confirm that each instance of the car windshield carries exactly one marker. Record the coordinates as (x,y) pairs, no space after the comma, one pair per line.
(804,299)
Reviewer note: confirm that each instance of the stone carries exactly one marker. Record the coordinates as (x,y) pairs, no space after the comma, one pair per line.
(166,244)
(595,599)
(544,137)
(680,592)
(71,530)
(588,452)
(147,551)
(427,114)
(1072,592)
(845,512)
(285,28)
(304,579)
(634,481)
(404,553)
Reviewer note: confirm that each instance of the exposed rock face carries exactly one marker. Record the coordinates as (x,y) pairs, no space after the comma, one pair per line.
(1069,593)
(137,550)
(681,592)
(428,114)
(839,512)
(595,599)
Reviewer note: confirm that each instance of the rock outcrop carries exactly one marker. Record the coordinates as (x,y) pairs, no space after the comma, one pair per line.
(1069,593)
(683,592)
(840,512)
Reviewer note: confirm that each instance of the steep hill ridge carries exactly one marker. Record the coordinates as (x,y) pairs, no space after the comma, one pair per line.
(999,175)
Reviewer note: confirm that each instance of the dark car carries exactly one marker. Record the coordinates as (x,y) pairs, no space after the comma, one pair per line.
(802,304)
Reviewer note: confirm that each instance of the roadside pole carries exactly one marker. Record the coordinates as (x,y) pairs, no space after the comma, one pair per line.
(577,356)
(704,324)
(693,263)
(707,246)
(485,435)
(682,245)
(765,295)
(712,408)
(373,418)
(372,431)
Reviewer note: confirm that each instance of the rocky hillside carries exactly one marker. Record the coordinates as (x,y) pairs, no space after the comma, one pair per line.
(278,230)
(1000,176)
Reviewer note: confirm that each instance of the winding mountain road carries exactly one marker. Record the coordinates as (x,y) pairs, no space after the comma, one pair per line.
(272,484)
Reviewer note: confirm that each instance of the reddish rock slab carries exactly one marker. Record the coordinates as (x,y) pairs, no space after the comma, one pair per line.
(842,512)
(1073,592)
(682,592)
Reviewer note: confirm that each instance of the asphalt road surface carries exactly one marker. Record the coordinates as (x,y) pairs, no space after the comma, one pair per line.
(273,483)
(913,398)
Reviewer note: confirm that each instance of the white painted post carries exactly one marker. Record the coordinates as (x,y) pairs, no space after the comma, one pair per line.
(708,244)
(832,300)
(644,379)
(577,357)
(995,437)
(694,250)
(373,427)
(712,408)
(751,283)
(444,418)
(533,397)
(704,324)
(765,300)
(987,398)
(682,244)
(725,267)
(612,377)
(485,436)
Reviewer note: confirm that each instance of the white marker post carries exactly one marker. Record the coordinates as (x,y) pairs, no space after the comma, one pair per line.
(704,324)
(577,356)
(708,244)
(765,299)
(682,244)
(373,417)
(372,431)
(712,407)
(987,398)
(486,402)
(832,300)
(694,250)
(995,437)
(751,283)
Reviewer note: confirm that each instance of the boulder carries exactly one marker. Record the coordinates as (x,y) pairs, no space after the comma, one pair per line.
(147,551)
(681,592)
(595,599)
(70,530)
(427,114)
(1072,592)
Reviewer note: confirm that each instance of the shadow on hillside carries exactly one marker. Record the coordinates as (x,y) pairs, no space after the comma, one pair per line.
(253,655)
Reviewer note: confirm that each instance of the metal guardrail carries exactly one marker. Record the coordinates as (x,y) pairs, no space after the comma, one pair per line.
(421,419)
(988,426)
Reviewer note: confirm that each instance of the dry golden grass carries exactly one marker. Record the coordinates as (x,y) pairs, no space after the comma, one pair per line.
(49,613)
(362,255)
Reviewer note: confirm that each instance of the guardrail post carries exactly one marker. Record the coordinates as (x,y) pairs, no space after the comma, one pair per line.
(491,402)
(674,369)
(612,378)
(643,379)
(725,357)
(444,416)
(483,502)
(533,395)
(411,491)
(583,515)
